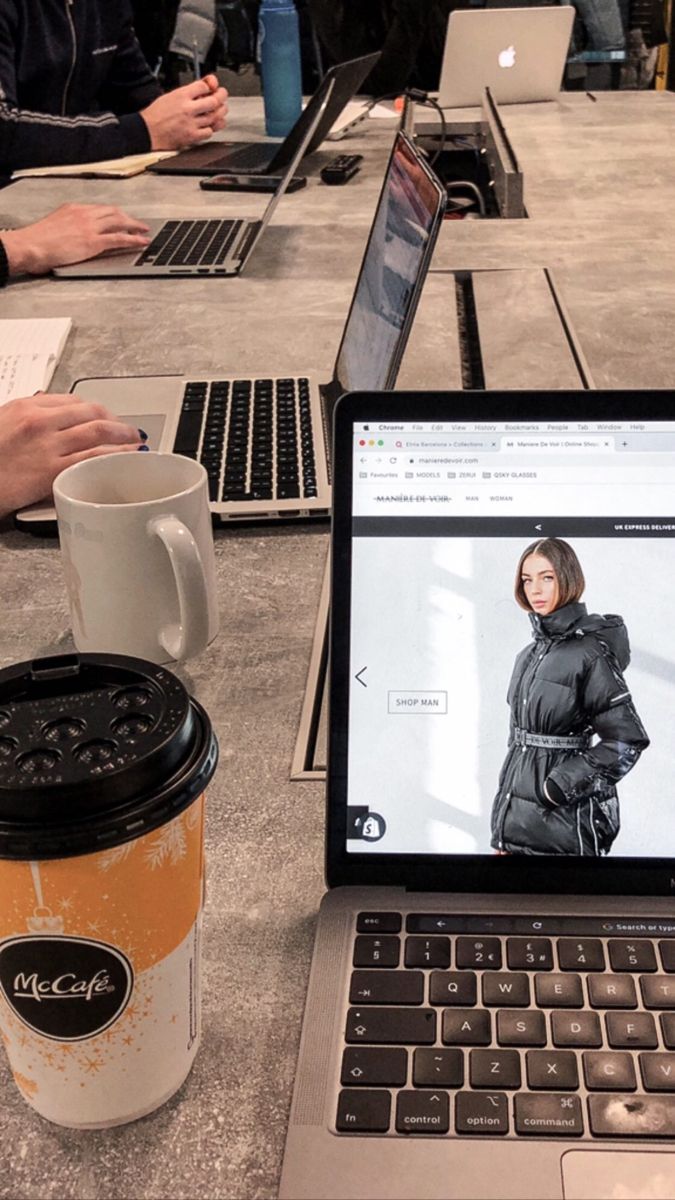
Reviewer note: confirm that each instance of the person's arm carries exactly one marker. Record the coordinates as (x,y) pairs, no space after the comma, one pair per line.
(42,435)
(611,714)
(72,233)
(34,139)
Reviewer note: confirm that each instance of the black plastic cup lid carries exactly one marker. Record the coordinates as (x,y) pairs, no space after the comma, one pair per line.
(95,750)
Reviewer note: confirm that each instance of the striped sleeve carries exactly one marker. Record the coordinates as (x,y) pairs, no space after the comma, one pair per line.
(36,139)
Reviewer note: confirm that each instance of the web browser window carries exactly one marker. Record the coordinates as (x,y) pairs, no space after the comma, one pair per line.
(513,639)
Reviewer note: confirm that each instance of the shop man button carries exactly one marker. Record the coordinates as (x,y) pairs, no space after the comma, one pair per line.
(422,1112)
(418,703)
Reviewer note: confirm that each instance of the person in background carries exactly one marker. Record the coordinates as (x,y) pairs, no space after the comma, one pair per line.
(75,88)
(410,34)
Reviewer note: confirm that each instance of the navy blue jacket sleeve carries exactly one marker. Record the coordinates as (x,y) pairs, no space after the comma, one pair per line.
(35,139)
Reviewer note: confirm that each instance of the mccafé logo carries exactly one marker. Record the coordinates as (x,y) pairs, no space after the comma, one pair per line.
(65,988)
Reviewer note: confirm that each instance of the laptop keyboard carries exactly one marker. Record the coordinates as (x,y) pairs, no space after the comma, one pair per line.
(254,436)
(191,244)
(556,1036)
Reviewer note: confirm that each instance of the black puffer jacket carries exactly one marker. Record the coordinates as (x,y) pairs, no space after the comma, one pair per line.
(568,684)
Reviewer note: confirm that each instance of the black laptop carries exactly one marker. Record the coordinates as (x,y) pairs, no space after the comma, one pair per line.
(491,1007)
(272,158)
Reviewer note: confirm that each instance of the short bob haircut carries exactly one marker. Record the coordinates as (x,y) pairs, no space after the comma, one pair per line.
(567,568)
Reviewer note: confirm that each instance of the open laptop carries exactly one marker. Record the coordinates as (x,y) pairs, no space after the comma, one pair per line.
(263,441)
(491,1005)
(519,53)
(271,158)
(197,247)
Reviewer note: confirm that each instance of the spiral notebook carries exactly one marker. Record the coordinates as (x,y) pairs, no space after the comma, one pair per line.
(29,353)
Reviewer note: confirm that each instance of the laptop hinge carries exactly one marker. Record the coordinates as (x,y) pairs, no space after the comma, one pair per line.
(249,236)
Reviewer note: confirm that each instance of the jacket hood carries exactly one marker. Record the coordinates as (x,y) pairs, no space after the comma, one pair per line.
(573,621)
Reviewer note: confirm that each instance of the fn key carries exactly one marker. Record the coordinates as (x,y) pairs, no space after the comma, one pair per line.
(363,1112)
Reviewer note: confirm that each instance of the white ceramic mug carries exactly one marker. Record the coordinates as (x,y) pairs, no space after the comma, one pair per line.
(137,546)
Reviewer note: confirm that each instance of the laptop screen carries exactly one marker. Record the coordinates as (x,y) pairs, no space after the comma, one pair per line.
(399,246)
(511,663)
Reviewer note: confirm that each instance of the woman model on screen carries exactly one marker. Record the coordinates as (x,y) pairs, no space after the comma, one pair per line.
(574,730)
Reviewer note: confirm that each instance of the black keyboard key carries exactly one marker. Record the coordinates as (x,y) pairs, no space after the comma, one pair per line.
(422,1112)
(631,1030)
(378,922)
(427,952)
(364,1066)
(438,1068)
(612,991)
(549,1070)
(658,991)
(363,1112)
(494,1068)
(548,1115)
(658,1072)
(609,1071)
(632,1116)
(576,1029)
(636,955)
(558,991)
(481,1112)
(521,1028)
(386,987)
(668,1030)
(376,951)
(391,1026)
(506,990)
(453,987)
(466,1027)
(576,954)
(483,953)
(529,954)
(667,948)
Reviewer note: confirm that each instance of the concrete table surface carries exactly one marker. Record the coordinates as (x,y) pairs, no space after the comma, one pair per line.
(222,1136)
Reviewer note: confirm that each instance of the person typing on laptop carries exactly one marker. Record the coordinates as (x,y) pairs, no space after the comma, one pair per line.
(70,234)
(42,435)
(75,88)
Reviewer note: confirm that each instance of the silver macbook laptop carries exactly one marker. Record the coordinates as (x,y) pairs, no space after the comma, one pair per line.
(491,1005)
(264,441)
(519,53)
(203,247)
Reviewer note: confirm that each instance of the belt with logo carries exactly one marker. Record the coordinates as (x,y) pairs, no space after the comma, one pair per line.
(542,741)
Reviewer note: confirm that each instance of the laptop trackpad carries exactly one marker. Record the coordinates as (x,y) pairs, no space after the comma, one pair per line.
(618,1175)
(152,424)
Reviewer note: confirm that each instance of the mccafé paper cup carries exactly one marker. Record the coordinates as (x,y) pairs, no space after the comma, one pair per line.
(103,765)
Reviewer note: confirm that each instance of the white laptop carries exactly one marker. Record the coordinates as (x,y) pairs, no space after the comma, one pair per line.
(491,1005)
(519,53)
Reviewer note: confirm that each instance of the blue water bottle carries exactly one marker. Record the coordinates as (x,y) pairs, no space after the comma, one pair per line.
(279,54)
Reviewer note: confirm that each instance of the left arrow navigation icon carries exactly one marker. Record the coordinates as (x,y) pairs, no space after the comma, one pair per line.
(358,676)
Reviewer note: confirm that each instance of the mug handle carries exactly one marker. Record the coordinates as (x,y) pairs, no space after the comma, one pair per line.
(192,633)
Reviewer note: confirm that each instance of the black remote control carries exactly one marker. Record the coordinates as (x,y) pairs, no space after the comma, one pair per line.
(341,169)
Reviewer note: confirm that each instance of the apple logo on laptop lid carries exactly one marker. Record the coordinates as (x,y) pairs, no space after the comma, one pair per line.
(507,57)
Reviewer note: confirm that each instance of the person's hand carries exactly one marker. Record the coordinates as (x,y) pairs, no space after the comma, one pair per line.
(187,115)
(70,234)
(42,435)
